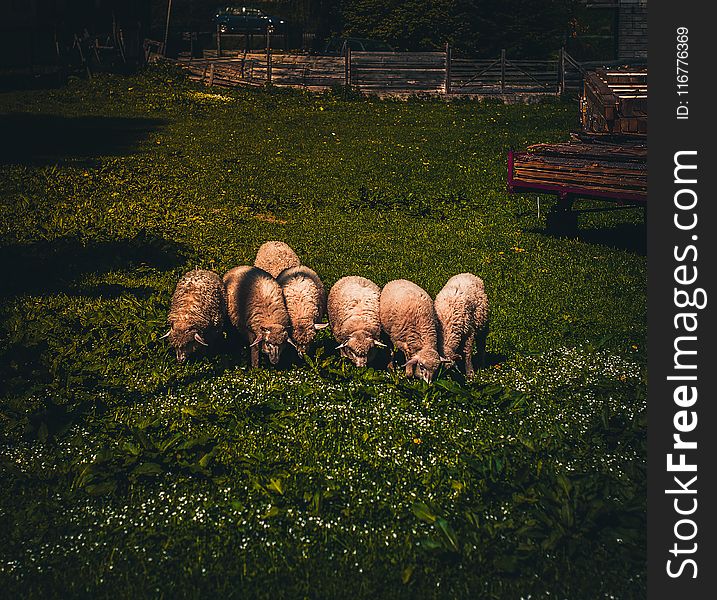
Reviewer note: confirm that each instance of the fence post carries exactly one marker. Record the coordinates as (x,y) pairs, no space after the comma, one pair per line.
(269,31)
(268,66)
(211,75)
(448,69)
(166,28)
(561,71)
(347,66)
(502,71)
(219,42)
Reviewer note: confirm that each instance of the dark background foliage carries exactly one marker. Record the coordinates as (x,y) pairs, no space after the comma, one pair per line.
(480,27)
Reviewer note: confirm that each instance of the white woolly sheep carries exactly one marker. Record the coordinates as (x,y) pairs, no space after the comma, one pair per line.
(305,299)
(257,311)
(407,316)
(462,310)
(275,256)
(353,308)
(197,314)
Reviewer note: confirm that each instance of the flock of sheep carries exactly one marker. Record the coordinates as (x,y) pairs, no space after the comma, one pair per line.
(279,301)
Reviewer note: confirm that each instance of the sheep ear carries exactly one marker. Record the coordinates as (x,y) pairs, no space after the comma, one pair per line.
(255,342)
(445,360)
(319,326)
(166,335)
(411,362)
(345,343)
(200,339)
(379,344)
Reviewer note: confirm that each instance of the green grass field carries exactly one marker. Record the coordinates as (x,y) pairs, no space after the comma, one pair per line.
(125,474)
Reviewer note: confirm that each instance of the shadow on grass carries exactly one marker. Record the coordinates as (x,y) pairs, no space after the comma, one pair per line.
(631,237)
(47,139)
(52,266)
(494,358)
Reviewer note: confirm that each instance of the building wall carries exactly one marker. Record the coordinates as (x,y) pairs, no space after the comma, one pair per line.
(632,30)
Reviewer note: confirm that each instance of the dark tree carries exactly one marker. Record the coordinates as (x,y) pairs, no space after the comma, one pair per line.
(523,27)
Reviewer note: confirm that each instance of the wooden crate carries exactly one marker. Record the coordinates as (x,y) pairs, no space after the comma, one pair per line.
(615,101)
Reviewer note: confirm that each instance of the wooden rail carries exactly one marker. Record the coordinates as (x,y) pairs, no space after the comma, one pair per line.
(407,72)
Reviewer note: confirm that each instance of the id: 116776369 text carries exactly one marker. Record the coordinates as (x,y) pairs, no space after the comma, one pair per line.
(682,75)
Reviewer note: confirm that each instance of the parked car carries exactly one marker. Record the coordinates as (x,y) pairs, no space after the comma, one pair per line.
(242,19)
(338,45)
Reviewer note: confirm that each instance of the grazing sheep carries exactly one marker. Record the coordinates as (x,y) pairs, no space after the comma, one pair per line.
(462,310)
(196,317)
(407,316)
(257,310)
(274,257)
(306,302)
(353,307)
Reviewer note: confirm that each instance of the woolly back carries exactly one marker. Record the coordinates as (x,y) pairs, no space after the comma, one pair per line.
(199,300)
(304,293)
(407,313)
(254,298)
(354,301)
(275,256)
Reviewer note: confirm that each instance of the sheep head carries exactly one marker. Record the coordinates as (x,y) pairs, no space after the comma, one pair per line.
(303,334)
(185,341)
(424,364)
(451,357)
(358,346)
(272,340)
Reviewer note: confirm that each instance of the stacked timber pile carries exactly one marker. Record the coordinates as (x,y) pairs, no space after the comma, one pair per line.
(602,170)
(615,101)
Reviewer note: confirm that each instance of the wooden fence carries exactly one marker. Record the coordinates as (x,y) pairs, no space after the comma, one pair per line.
(311,72)
(399,73)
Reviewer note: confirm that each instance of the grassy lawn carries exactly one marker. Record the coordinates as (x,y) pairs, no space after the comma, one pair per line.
(125,474)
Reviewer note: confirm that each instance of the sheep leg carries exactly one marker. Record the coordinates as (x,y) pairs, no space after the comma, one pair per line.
(481,340)
(468,354)
(254,351)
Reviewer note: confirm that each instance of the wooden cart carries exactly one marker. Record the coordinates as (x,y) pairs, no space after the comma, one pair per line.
(581,169)
(606,161)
